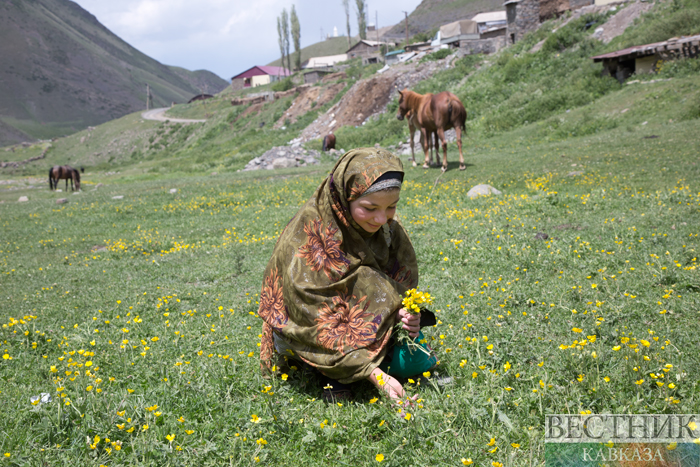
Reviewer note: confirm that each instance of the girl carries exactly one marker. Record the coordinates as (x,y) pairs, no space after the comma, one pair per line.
(332,290)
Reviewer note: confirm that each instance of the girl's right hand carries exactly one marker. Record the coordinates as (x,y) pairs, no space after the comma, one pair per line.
(411,322)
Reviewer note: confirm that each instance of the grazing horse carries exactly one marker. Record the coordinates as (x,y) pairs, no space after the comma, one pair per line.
(435,113)
(64,172)
(329,142)
(412,127)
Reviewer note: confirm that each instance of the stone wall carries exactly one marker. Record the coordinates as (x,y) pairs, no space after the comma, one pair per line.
(483,46)
(523,16)
(526,15)
(237,84)
(576,4)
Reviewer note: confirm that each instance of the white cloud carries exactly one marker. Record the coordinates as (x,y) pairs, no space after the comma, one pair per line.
(225,36)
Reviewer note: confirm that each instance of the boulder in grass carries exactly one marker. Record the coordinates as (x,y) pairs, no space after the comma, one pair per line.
(173,191)
(483,190)
(283,163)
(22,199)
(61,200)
(118,197)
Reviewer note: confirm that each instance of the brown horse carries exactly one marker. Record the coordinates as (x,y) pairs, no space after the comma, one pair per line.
(412,127)
(435,114)
(329,142)
(64,172)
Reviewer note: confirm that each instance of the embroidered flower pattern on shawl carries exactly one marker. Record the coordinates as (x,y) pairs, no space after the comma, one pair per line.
(361,185)
(322,251)
(272,302)
(344,325)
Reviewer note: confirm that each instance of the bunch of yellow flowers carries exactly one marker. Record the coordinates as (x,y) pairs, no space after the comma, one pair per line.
(414,298)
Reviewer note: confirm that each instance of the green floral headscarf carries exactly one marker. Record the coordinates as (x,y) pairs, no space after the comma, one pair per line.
(331,290)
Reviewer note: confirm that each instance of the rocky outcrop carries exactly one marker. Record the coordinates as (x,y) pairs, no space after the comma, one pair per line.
(283,157)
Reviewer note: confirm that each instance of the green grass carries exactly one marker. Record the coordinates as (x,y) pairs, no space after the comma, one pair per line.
(98,280)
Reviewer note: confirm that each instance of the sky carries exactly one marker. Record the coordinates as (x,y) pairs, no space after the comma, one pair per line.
(227,36)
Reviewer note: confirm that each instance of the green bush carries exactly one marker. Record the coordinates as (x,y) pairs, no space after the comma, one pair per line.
(439,55)
(283,85)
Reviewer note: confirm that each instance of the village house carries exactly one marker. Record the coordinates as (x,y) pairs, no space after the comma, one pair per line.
(369,51)
(323,62)
(316,68)
(484,33)
(646,58)
(258,76)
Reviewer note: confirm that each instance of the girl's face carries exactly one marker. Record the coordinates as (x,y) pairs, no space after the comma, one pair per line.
(374,210)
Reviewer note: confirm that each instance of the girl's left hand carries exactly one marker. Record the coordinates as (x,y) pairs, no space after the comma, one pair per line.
(411,322)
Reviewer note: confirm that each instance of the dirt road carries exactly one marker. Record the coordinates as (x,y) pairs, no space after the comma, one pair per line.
(159,115)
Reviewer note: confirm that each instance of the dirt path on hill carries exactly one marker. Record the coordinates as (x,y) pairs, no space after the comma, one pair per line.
(159,115)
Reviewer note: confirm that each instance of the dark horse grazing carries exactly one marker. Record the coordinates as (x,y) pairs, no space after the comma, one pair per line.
(64,172)
(435,113)
(329,142)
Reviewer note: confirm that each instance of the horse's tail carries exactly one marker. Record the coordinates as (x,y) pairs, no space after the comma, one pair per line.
(76,175)
(50,179)
(459,117)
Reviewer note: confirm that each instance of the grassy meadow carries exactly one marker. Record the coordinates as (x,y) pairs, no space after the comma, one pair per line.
(568,293)
(129,333)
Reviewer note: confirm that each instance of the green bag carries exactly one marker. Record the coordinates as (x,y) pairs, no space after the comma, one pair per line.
(405,362)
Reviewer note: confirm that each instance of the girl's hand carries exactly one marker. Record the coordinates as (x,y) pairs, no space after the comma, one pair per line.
(391,387)
(411,321)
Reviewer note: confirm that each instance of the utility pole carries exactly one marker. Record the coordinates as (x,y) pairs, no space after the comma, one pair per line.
(406,13)
(376,24)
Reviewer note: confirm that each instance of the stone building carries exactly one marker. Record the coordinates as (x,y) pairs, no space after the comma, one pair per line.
(369,51)
(524,16)
(645,58)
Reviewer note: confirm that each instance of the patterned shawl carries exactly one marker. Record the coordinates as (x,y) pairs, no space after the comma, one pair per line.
(331,290)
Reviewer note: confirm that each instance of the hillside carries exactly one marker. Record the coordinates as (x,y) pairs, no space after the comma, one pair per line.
(203,80)
(331,46)
(431,14)
(63,71)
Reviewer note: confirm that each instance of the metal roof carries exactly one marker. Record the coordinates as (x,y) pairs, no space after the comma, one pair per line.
(685,46)
(263,70)
(490,16)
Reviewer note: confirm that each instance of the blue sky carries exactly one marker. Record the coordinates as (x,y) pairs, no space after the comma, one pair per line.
(227,36)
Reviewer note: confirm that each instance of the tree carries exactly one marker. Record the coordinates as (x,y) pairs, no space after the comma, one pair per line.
(361,18)
(280,39)
(346,5)
(285,32)
(296,37)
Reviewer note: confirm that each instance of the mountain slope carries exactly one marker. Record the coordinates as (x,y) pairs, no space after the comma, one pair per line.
(431,14)
(202,80)
(330,46)
(64,71)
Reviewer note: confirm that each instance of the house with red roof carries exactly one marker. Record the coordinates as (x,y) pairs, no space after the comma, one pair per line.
(258,76)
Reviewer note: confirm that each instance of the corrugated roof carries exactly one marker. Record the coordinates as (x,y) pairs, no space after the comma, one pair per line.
(328,60)
(490,16)
(370,43)
(670,45)
(258,70)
